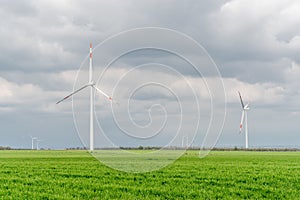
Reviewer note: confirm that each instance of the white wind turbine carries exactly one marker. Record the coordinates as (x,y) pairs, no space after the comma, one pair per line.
(37,143)
(244,118)
(185,141)
(32,141)
(92,86)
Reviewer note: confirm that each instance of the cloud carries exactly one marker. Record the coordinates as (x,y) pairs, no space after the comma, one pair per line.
(13,93)
(254,43)
(27,97)
(256,29)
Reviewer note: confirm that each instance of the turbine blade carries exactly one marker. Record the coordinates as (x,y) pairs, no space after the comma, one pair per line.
(102,92)
(243,106)
(73,93)
(242,120)
(107,96)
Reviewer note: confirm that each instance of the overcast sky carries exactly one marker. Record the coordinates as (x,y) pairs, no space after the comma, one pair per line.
(255,45)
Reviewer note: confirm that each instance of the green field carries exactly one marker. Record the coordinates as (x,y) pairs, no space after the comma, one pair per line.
(220,175)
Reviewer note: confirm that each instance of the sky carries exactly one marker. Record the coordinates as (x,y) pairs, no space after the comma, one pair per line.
(247,46)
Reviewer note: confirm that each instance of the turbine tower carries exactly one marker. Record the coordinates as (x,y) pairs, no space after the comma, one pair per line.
(32,141)
(244,118)
(37,143)
(92,86)
(185,141)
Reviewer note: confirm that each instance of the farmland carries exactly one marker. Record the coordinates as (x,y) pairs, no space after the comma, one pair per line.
(222,174)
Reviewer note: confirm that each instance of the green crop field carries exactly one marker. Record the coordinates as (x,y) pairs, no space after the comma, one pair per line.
(220,175)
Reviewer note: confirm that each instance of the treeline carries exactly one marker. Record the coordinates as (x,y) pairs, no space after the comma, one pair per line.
(198,148)
(5,148)
(256,149)
(76,148)
(170,148)
(214,149)
(142,148)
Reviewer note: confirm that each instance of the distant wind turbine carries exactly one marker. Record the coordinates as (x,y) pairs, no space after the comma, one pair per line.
(185,141)
(32,141)
(244,118)
(92,86)
(37,143)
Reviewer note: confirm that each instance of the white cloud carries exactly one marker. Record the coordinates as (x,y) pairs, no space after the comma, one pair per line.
(256,29)
(265,93)
(12,93)
(28,97)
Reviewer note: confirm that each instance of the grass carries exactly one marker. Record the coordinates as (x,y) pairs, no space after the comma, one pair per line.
(220,175)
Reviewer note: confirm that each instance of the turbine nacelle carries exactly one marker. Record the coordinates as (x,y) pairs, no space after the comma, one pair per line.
(246,107)
(92,83)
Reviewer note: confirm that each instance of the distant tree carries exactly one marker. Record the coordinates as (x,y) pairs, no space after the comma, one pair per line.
(5,148)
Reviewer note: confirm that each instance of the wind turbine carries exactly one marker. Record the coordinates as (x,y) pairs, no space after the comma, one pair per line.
(185,141)
(32,141)
(244,118)
(92,86)
(37,143)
